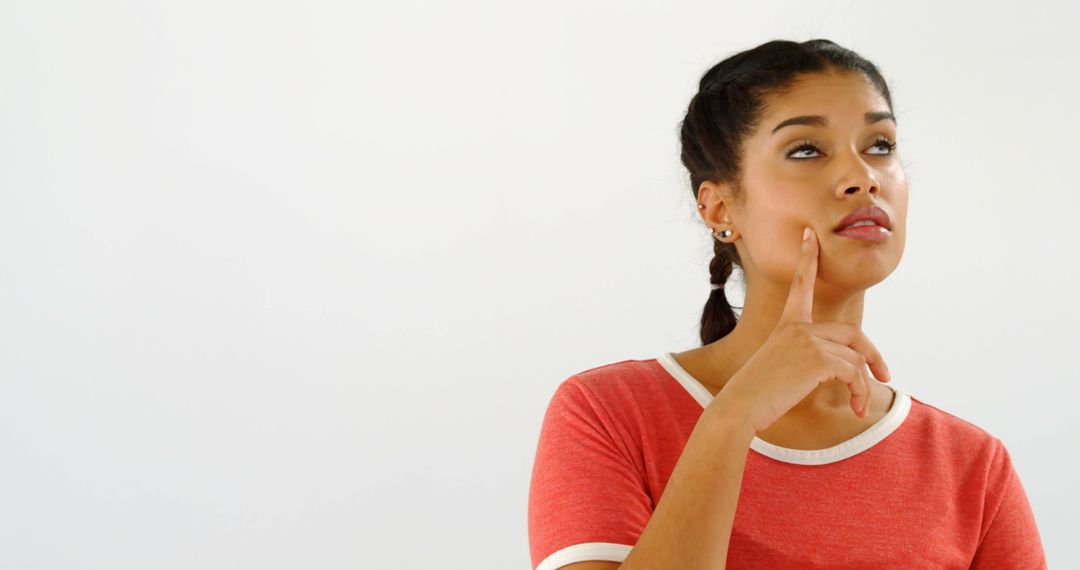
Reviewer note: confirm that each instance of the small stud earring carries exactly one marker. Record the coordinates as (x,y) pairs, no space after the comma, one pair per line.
(725,233)
(700,206)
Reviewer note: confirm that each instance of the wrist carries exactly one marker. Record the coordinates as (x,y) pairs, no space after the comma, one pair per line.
(726,415)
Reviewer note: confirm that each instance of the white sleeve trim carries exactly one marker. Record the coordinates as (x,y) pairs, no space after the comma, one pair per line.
(607,551)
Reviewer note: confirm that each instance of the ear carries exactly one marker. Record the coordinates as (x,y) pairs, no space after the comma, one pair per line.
(719,206)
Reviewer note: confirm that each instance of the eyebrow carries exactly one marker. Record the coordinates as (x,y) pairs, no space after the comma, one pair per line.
(818,120)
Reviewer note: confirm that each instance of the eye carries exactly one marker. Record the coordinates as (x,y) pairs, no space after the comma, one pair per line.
(889,145)
(801,146)
(808,145)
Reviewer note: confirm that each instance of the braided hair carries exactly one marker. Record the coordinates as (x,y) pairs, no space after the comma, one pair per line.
(726,109)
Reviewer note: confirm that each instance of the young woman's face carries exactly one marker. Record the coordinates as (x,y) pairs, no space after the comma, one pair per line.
(786,188)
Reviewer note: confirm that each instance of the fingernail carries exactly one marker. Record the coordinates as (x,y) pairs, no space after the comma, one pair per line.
(806,234)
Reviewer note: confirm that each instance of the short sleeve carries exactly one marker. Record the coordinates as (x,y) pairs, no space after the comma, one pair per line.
(1011,538)
(587,500)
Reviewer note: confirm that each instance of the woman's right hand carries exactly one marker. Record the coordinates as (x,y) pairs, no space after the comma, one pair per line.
(800,354)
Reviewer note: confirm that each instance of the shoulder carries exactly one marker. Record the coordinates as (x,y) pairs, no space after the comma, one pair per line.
(938,418)
(615,384)
(630,373)
(616,391)
(953,438)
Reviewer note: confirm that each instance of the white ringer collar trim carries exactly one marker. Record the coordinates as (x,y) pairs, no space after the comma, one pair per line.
(865,440)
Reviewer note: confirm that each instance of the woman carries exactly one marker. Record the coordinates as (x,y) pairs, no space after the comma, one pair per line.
(771,446)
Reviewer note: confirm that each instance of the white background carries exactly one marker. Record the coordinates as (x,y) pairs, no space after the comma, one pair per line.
(289,285)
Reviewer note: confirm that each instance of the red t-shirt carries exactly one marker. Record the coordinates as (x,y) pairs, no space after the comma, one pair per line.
(921,488)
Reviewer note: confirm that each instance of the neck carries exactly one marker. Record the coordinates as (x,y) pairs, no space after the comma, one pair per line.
(761,313)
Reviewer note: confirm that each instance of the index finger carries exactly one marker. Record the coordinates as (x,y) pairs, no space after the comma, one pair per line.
(800,301)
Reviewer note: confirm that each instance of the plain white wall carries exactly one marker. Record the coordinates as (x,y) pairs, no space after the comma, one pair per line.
(289,285)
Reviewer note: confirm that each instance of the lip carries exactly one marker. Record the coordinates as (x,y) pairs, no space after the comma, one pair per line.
(866,233)
(871,213)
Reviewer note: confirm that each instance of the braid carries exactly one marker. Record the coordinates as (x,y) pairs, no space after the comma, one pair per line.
(718,318)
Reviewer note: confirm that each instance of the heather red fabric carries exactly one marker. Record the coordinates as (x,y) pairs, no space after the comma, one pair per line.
(919,489)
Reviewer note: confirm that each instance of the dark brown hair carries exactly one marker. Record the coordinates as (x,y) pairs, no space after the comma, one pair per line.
(726,109)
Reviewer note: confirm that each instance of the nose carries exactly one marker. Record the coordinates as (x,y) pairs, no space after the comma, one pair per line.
(860,178)
(871,188)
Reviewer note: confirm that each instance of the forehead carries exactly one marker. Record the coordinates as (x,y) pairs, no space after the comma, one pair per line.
(842,98)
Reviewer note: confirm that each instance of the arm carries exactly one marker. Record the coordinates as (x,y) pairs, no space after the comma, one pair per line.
(588,499)
(1012,539)
(691,526)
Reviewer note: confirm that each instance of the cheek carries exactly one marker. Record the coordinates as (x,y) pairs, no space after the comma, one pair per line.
(774,247)
(899,212)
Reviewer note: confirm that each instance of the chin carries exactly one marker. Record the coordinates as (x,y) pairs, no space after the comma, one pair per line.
(855,281)
(860,274)
(859,269)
